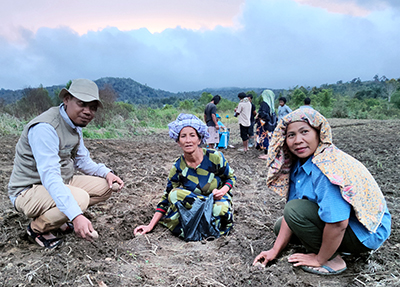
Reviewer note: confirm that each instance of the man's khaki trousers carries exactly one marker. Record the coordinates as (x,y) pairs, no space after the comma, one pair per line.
(37,203)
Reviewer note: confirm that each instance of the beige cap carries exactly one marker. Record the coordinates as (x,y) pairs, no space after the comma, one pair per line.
(84,90)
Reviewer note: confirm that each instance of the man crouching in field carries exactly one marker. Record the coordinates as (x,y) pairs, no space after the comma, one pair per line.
(43,185)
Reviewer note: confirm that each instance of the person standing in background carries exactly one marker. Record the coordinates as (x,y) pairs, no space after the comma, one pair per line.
(283,109)
(243,112)
(211,121)
(307,103)
(266,121)
(252,120)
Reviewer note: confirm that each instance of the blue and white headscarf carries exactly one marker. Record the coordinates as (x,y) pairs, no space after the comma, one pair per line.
(188,120)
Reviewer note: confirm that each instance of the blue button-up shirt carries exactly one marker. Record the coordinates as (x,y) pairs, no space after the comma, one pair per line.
(308,182)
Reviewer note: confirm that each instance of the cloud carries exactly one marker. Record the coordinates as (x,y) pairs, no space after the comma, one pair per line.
(376,4)
(95,15)
(274,43)
(354,7)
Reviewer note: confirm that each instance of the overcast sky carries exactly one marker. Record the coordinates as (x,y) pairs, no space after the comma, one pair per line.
(187,45)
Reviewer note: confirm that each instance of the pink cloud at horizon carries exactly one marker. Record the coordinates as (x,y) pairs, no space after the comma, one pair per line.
(84,16)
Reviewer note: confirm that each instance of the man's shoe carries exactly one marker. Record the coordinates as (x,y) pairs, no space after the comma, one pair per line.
(39,239)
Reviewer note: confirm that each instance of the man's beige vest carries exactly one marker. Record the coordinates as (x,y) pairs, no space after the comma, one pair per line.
(25,173)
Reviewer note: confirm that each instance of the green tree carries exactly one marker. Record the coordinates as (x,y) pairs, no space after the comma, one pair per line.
(186,105)
(68,84)
(2,105)
(205,98)
(226,105)
(167,107)
(391,87)
(316,91)
(396,99)
(34,102)
(371,92)
(255,96)
(356,81)
(304,90)
(107,96)
(325,98)
(297,97)
(56,100)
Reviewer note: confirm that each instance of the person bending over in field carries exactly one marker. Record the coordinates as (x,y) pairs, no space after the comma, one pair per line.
(43,185)
(266,121)
(196,176)
(334,204)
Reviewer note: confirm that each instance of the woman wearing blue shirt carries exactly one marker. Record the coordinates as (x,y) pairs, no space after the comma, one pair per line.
(334,204)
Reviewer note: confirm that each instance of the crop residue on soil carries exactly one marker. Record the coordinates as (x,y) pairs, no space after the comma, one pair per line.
(117,258)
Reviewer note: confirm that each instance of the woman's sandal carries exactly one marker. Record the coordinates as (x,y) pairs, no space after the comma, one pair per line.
(37,237)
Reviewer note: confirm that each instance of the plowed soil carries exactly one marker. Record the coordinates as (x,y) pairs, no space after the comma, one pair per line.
(118,258)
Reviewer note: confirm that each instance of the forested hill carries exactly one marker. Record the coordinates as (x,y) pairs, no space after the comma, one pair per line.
(130,91)
(126,89)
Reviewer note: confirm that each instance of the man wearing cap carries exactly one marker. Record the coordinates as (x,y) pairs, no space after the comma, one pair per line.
(43,185)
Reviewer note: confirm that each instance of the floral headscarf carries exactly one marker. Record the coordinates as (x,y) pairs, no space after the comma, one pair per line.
(188,120)
(357,185)
(268,96)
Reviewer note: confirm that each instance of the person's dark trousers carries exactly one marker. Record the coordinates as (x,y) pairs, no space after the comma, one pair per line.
(301,215)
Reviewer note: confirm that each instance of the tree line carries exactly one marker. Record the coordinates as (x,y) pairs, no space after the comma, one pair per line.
(376,99)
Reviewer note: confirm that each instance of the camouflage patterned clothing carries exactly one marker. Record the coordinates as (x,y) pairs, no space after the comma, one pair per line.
(185,184)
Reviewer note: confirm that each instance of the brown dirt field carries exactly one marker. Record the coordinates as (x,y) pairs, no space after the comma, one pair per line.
(159,258)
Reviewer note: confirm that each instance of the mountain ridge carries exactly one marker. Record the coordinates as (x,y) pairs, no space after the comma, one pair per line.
(133,92)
